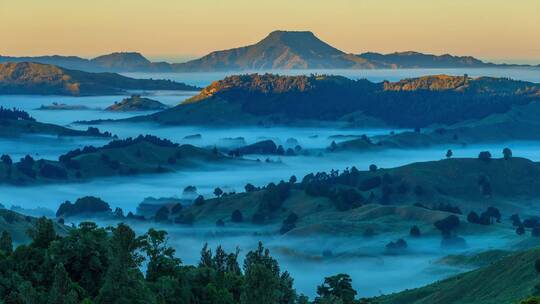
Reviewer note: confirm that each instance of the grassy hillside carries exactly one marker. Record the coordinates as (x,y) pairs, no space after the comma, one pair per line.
(18,225)
(45,79)
(142,155)
(136,103)
(15,122)
(385,200)
(249,99)
(508,280)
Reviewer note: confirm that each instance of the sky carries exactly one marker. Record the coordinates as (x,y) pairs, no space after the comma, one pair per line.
(175,30)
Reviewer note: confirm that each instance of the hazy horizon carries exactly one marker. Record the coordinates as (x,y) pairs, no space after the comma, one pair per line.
(178,31)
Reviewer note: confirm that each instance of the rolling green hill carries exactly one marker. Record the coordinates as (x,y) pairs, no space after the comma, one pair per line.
(268,98)
(141,155)
(18,225)
(45,79)
(509,280)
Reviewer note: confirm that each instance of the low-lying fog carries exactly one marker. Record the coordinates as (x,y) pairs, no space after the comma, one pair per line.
(204,79)
(373,272)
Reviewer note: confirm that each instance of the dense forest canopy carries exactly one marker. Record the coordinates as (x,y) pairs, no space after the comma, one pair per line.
(103,265)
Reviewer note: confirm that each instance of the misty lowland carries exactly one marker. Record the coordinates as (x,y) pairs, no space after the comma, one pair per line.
(285,171)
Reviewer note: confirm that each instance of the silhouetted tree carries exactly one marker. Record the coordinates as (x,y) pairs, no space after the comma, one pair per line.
(237,216)
(449,153)
(507,153)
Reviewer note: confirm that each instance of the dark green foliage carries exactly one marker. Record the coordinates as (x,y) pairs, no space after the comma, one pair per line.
(314,97)
(449,154)
(53,172)
(94,265)
(162,215)
(507,153)
(447,225)
(250,188)
(415,231)
(199,201)
(473,217)
(218,192)
(14,114)
(6,160)
(176,208)
(237,217)
(87,204)
(336,289)
(394,247)
(484,156)
(63,291)
(6,243)
(263,281)
(43,233)
(289,223)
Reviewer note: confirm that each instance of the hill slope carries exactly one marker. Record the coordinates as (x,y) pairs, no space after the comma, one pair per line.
(409,60)
(141,155)
(508,280)
(279,50)
(417,102)
(36,78)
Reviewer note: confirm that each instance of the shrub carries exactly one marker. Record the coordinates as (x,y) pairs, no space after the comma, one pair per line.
(237,217)
(484,156)
(415,231)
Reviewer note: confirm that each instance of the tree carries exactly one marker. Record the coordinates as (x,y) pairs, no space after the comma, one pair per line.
(161,257)
(507,153)
(372,168)
(473,218)
(199,201)
(6,243)
(292,179)
(250,188)
(447,224)
(162,215)
(124,282)
(336,288)
(415,231)
(62,290)
(6,160)
(262,278)
(484,156)
(449,153)
(218,192)
(43,233)
(237,217)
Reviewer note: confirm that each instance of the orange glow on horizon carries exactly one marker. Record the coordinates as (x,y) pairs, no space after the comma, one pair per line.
(482,28)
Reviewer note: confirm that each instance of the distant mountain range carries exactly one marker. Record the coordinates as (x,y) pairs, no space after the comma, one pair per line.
(46,79)
(280,50)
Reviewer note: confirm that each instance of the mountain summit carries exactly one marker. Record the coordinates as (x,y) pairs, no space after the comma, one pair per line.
(279,50)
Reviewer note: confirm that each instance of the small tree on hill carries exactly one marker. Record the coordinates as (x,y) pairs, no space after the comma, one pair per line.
(237,217)
(415,231)
(484,156)
(449,154)
(218,192)
(507,153)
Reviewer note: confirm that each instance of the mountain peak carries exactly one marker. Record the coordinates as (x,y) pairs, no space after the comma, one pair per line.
(126,60)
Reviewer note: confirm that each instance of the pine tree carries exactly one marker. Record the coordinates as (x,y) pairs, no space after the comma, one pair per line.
(6,243)
(62,291)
